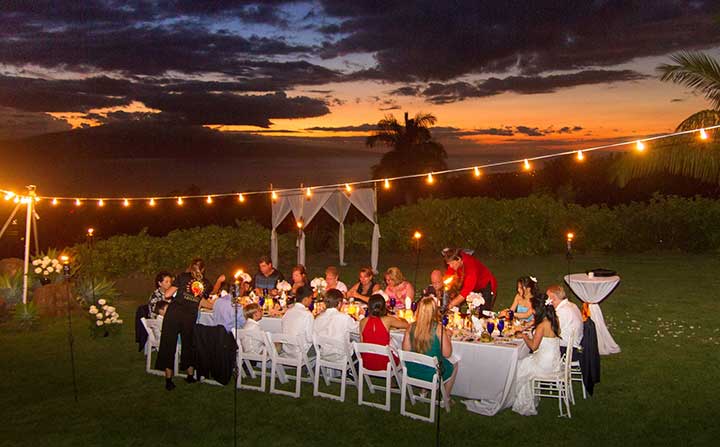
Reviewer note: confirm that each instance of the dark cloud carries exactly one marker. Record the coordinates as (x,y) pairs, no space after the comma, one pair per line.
(432,40)
(529,131)
(439,93)
(367,127)
(17,124)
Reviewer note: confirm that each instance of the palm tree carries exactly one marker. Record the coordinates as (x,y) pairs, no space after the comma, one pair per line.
(413,150)
(685,155)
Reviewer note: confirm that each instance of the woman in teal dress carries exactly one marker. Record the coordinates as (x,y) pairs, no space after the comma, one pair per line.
(423,337)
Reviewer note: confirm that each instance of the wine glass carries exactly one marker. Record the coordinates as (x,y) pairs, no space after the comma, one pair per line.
(261,301)
(392,302)
(501,326)
(490,327)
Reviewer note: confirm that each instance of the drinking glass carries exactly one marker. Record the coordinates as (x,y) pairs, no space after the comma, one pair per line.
(490,327)
(501,326)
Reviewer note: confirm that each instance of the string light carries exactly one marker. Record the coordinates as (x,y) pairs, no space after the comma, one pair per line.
(101,203)
(37,199)
(308,193)
(180,201)
(209,200)
(580,156)
(348,188)
(241,198)
(54,202)
(430,180)
(151,202)
(9,195)
(639,146)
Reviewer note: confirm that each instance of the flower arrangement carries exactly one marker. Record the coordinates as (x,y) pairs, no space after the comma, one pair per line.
(47,267)
(474,300)
(319,285)
(284,286)
(104,319)
(245,277)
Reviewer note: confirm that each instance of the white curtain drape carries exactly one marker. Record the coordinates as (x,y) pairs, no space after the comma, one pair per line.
(337,207)
(336,203)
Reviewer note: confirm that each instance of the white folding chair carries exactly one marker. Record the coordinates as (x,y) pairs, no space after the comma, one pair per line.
(576,375)
(153,328)
(332,355)
(557,385)
(365,375)
(292,354)
(251,340)
(408,382)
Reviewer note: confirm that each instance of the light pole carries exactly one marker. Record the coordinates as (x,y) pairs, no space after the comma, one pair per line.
(416,237)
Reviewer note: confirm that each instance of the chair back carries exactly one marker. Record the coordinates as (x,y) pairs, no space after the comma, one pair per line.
(153,329)
(414,357)
(284,341)
(567,366)
(326,347)
(247,340)
(372,348)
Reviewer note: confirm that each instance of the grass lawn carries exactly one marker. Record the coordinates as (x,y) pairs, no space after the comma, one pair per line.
(662,389)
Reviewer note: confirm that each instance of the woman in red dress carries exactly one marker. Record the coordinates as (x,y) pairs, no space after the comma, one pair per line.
(376,329)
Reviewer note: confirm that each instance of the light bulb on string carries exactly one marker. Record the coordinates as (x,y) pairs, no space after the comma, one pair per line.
(476,172)
(151,202)
(241,198)
(308,193)
(348,188)
(9,195)
(126,203)
(209,200)
(640,146)
(386,184)
(273,196)
(78,202)
(526,165)
(54,202)
(101,203)
(37,199)
(180,201)
(580,156)
(703,134)
(430,180)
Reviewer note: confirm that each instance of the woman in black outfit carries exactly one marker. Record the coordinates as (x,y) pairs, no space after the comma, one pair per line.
(191,289)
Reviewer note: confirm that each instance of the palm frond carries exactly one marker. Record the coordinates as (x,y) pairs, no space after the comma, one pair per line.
(695,70)
(425,120)
(703,118)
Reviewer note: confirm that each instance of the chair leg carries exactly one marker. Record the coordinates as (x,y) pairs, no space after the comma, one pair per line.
(316,380)
(343,382)
(388,386)
(360,386)
(298,380)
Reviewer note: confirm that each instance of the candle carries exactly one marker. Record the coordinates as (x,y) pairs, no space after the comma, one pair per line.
(408,302)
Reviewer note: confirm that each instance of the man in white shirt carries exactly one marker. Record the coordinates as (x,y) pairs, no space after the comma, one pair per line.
(298,321)
(334,324)
(253,314)
(568,315)
(332,278)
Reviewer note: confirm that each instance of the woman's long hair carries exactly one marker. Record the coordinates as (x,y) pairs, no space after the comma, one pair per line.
(527,282)
(543,312)
(427,317)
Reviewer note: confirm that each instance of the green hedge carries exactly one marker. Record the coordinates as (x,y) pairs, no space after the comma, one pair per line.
(536,225)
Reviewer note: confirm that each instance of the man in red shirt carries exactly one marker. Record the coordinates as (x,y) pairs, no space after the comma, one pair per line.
(474,277)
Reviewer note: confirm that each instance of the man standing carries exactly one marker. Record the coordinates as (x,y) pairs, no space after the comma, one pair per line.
(473,277)
(266,279)
(570,319)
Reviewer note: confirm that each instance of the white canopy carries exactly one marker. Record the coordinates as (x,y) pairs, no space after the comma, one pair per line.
(337,203)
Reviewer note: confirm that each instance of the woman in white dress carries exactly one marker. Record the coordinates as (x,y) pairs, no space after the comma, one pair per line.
(545,357)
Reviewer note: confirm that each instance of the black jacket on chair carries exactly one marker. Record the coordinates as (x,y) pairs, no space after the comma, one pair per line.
(216,352)
(590,359)
(141,335)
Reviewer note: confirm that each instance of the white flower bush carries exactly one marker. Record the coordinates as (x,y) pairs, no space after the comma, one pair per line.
(47,266)
(104,318)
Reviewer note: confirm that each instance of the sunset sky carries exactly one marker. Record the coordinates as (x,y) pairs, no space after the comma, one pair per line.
(527,74)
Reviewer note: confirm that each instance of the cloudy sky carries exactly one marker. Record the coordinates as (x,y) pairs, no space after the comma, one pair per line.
(524,73)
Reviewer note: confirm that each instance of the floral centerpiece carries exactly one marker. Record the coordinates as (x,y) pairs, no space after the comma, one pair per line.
(283,286)
(319,285)
(474,300)
(104,319)
(47,267)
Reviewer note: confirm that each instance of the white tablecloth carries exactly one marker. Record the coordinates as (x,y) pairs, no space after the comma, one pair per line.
(593,291)
(486,372)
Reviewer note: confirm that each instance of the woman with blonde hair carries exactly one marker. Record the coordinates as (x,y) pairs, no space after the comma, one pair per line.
(398,287)
(424,337)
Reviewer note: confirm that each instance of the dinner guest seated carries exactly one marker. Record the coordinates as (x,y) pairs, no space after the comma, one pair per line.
(332,278)
(253,313)
(398,287)
(334,324)
(300,283)
(376,329)
(527,288)
(298,320)
(161,308)
(225,314)
(365,287)
(545,358)
(570,318)
(267,277)
(425,336)
(163,281)
(436,285)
